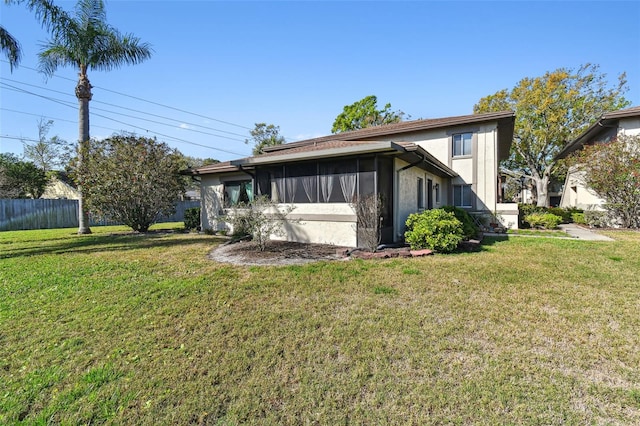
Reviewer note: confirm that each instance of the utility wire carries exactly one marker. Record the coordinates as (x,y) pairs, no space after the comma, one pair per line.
(130,109)
(121,122)
(145,100)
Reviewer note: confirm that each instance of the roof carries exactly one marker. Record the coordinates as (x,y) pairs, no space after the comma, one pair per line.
(604,124)
(408,151)
(505,118)
(376,139)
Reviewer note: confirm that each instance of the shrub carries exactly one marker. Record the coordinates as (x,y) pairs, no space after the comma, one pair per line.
(260,219)
(564,214)
(543,220)
(192,218)
(578,218)
(436,230)
(596,218)
(469,227)
(525,210)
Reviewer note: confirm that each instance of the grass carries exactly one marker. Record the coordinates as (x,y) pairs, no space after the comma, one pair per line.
(538,232)
(115,328)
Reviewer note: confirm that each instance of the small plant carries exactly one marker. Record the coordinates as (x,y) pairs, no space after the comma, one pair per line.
(596,218)
(436,230)
(192,218)
(261,219)
(543,220)
(578,218)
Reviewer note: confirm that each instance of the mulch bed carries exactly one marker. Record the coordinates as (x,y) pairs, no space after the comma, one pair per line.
(292,253)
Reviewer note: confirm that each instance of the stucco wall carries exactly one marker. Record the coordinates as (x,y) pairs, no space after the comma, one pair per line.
(211,198)
(479,170)
(575,193)
(322,223)
(406,188)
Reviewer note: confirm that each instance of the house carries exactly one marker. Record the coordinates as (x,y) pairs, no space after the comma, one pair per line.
(60,187)
(610,125)
(412,165)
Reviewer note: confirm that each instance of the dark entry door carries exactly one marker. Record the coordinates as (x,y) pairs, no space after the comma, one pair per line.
(429,194)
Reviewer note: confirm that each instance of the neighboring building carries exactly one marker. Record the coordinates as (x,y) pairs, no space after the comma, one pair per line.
(59,187)
(413,165)
(575,192)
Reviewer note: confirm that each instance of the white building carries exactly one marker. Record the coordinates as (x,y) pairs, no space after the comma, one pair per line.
(412,165)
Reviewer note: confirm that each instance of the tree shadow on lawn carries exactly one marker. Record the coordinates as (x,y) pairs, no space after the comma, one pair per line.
(115,242)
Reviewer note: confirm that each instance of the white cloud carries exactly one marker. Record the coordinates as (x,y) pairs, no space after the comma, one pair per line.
(184,126)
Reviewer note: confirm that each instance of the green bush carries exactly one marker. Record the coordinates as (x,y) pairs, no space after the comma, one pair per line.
(436,230)
(192,218)
(596,218)
(525,210)
(469,227)
(543,220)
(578,218)
(563,213)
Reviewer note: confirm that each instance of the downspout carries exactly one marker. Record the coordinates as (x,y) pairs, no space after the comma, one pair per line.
(396,201)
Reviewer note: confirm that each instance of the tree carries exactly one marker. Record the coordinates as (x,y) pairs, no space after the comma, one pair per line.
(612,171)
(47,153)
(20,179)
(365,113)
(10,47)
(131,179)
(45,10)
(550,111)
(264,135)
(85,41)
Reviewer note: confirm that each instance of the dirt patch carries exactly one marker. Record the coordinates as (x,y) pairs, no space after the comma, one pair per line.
(276,253)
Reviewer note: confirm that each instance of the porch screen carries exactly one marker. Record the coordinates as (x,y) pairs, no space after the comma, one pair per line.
(335,181)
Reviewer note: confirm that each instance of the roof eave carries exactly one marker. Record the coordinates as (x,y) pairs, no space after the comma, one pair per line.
(314,155)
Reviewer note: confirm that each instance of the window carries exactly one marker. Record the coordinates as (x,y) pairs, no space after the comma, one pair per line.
(462,144)
(436,189)
(420,193)
(462,196)
(237,192)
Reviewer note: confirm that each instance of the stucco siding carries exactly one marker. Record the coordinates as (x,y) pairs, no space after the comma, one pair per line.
(407,190)
(630,126)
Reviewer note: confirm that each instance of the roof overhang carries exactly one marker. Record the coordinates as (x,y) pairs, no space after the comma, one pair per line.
(285,157)
(409,152)
(603,125)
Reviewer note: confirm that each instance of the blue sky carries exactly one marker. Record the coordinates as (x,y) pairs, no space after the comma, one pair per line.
(297,64)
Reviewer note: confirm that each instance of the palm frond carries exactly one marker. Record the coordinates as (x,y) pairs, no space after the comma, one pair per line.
(11,47)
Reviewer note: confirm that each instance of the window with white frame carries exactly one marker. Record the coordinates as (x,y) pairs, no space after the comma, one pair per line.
(462,144)
(462,196)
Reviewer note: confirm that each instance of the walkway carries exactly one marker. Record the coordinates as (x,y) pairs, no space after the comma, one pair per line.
(581,233)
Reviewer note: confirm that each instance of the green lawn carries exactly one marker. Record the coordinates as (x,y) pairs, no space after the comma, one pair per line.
(144,329)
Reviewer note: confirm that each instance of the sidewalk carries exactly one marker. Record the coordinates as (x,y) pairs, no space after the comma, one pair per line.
(583,233)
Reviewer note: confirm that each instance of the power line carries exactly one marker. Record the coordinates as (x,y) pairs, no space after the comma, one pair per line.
(145,100)
(131,109)
(126,124)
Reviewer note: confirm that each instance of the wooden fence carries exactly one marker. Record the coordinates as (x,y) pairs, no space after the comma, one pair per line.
(18,214)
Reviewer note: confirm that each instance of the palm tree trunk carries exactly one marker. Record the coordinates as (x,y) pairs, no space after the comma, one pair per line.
(83,93)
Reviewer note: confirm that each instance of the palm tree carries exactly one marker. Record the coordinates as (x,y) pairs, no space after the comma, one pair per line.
(85,41)
(44,10)
(10,47)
